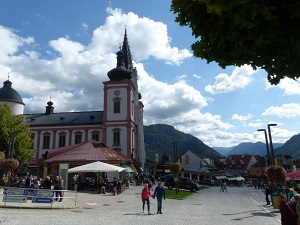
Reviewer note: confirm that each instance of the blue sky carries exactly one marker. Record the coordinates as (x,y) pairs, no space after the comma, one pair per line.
(64,49)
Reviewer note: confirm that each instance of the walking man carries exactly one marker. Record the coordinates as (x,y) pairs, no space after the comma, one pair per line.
(267,193)
(159,193)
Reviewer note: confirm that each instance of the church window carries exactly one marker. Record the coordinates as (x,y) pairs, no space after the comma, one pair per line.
(117,134)
(95,135)
(78,137)
(117,105)
(62,139)
(46,140)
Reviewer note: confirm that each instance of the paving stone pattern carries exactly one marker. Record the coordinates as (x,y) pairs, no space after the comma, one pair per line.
(241,206)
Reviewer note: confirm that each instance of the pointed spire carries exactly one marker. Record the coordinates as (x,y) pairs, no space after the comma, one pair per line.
(126,52)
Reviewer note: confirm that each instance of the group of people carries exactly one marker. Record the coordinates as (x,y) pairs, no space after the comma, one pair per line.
(159,194)
(290,208)
(57,183)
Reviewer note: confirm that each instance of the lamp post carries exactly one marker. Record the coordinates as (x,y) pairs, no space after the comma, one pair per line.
(12,144)
(271,144)
(174,143)
(267,147)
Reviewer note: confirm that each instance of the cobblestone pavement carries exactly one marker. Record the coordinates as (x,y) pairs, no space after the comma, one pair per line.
(242,206)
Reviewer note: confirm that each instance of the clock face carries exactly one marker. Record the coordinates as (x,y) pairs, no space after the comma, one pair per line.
(117,92)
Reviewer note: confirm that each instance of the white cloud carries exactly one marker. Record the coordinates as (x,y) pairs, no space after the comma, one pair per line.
(241,118)
(256,125)
(197,76)
(85,26)
(73,76)
(241,77)
(290,86)
(285,111)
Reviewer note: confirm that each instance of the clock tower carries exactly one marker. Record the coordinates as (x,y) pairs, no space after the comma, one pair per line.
(123,108)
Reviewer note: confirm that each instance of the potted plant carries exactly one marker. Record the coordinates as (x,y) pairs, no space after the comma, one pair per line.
(277,176)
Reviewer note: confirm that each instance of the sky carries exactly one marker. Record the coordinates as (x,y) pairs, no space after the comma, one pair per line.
(62,50)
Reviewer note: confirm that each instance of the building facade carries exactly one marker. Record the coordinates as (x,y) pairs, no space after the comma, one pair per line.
(119,126)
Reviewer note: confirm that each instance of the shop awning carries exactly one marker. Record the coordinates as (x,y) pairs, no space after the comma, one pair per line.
(127,168)
(221,177)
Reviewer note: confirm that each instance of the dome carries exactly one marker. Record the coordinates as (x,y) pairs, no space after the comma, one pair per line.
(8,94)
(120,72)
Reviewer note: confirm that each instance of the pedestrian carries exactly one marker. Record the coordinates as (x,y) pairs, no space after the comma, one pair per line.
(115,184)
(224,186)
(58,187)
(29,181)
(159,193)
(221,186)
(287,214)
(267,193)
(102,186)
(47,183)
(291,194)
(293,204)
(146,194)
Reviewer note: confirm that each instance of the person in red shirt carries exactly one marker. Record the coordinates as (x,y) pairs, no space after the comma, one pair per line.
(288,216)
(146,194)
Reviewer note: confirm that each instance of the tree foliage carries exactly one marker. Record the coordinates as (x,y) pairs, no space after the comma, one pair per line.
(175,168)
(259,33)
(9,124)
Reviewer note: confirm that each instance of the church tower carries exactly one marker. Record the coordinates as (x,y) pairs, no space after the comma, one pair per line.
(123,108)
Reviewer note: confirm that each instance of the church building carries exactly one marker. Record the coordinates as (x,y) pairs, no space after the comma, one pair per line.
(119,126)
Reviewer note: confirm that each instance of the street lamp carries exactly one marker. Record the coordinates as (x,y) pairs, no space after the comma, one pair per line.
(12,144)
(267,147)
(174,143)
(271,144)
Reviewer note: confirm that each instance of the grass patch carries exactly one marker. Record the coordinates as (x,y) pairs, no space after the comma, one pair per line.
(203,187)
(181,195)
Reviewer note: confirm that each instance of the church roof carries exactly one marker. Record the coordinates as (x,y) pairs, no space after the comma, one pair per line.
(88,151)
(65,118)
(124,68)
(8,94)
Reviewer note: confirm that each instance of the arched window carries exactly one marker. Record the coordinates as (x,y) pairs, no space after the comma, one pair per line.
(117,105)
(78,137)
(117,137)
(95,135)
(62,139)
(46,140)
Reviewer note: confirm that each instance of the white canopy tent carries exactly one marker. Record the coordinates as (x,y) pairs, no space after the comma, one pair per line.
(96,167)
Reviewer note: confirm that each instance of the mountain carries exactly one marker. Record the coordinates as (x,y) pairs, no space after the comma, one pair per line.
(258,148)
(291,147)
(223,150)
(159,138)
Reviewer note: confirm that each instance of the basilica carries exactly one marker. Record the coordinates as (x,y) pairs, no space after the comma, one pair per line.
(119,126)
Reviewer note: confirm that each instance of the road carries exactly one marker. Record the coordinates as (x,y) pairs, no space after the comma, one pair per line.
(241,206)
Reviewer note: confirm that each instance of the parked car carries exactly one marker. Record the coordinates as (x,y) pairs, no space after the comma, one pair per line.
(183,183)
(208,182)
(167,177)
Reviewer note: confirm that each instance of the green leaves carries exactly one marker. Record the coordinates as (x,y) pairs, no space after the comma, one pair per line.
(262,34)
(175,168)
(15,125)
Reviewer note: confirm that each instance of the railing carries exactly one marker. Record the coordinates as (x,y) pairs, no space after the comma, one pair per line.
(31,196)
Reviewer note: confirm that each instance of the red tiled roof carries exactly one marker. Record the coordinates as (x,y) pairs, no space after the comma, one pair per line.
(87,151)
(242,160)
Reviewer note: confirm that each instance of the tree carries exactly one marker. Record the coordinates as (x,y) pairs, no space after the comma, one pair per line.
(259,33)
(15,125)
(176,168)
